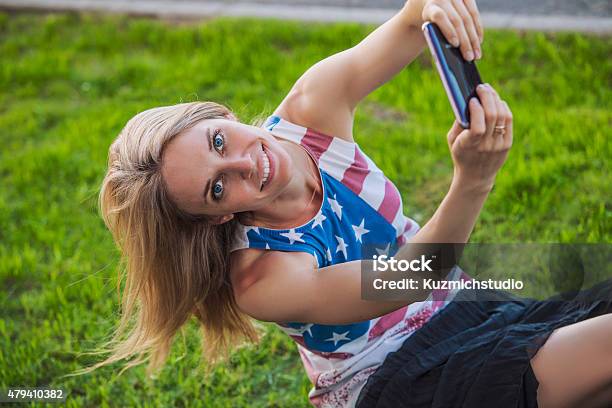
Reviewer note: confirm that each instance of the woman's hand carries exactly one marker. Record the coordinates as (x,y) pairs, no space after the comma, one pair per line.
(459,21)
(480,151)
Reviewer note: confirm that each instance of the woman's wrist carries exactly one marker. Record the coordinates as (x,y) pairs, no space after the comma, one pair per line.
(477,187)
(413,12)
(456,215)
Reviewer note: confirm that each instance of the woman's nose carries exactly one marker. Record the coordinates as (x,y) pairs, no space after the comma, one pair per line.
(244,165)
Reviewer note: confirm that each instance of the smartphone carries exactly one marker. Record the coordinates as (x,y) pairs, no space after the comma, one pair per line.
(460,77)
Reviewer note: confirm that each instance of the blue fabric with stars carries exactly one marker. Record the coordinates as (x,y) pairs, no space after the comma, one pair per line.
(346,228)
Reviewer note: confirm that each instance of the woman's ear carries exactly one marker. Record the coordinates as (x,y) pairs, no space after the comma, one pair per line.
(221,219)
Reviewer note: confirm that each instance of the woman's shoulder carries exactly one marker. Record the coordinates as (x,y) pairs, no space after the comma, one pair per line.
(300,108)
(246,264)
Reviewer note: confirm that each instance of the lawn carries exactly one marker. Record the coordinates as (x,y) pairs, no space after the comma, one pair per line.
(69,83)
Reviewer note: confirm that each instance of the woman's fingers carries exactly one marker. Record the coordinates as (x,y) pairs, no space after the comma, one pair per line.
(470,27)
(509,122)
(459,21)
(472,8)
(478,126)
(455,131)
(500,130)
(487,97)
(497,118)
(465,45)
(439,16)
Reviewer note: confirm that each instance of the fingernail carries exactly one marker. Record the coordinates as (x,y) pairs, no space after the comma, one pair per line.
(481,86)
(470,55)
(478,54)
(455,42)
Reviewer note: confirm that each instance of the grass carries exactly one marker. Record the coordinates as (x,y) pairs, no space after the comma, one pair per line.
(69,83)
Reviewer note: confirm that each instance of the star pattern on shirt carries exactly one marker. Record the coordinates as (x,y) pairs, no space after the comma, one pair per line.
(360,230)
(267,246)
(306,329)
(336,207)
(341,246)
(319,220)
(251,228)
(384,251)
(338,337)
(293,236)
(329,256)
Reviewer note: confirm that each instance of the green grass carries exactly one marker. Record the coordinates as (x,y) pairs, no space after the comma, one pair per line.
(68,84)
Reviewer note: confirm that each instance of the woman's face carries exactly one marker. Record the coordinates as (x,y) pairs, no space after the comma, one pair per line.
(218,168)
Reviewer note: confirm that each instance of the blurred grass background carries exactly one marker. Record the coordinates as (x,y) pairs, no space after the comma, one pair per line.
(68,83)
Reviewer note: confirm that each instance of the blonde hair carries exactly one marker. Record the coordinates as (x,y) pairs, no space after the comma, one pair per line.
(175,264)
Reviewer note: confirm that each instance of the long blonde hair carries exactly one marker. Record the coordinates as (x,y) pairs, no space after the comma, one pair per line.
(175,264)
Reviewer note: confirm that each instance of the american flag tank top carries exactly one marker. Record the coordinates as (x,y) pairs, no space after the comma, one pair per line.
(360,207)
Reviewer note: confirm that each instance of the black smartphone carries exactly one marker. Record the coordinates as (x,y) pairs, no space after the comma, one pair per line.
(460,77)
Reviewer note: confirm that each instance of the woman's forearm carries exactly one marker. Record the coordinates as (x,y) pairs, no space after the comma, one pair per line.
(452,223)
(456,216)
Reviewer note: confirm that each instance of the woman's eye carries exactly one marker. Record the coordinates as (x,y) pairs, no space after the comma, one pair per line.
(218,141)
(218,190)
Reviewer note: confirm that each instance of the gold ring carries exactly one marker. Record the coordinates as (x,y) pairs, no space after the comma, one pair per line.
(500,129)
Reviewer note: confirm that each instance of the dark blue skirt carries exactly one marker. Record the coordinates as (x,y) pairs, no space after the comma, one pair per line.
(477,353)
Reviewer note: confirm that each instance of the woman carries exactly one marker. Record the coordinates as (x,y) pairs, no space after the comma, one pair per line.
(228,221)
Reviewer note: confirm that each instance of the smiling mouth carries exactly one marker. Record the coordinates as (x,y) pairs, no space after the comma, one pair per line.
(266,168)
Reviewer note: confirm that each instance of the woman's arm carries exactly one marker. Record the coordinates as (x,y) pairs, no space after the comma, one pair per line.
(478,153)
(326,95)
(396,43)
(285,288)
(291,290)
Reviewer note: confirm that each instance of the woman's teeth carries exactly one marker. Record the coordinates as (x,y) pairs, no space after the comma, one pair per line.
(266,164)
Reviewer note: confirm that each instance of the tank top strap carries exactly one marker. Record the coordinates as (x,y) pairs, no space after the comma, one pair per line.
(334,155)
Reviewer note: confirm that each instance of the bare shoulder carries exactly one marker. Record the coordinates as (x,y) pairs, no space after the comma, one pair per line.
(250,265)
(314,110)
(272,285)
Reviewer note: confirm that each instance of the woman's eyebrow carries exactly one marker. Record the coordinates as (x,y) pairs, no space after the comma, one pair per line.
(205,193)
(207,187)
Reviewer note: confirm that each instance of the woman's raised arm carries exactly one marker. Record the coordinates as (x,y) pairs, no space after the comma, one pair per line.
(285,288)
(330,90)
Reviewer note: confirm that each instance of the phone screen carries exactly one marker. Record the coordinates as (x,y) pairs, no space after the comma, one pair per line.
(461,75)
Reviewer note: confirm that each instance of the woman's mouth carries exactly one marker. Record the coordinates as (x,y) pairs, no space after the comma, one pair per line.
(268,167)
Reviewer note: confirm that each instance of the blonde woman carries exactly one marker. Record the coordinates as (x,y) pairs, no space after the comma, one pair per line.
(226,222)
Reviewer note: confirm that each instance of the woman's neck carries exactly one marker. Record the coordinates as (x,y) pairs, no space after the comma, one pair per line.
(300,200)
